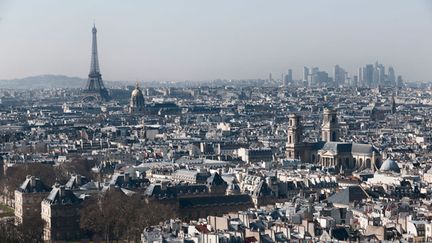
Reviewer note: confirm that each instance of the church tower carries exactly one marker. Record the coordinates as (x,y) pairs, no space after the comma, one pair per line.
(295,137)
(330,126)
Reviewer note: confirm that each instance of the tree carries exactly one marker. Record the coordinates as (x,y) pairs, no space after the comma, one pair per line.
(16,175)
(79,166)
(115,216)
(31,230)
(8,232)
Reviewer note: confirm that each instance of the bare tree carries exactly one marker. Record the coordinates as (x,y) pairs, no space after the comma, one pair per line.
(115,216)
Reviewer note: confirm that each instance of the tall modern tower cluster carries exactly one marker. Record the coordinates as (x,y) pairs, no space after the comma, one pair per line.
(315,77)
(95,89)
(375,75)
(371,76)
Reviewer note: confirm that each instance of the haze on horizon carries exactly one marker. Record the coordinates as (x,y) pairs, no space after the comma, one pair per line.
(205,40)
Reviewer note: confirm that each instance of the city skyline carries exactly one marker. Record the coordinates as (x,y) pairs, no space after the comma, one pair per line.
(196,121)
(241,40)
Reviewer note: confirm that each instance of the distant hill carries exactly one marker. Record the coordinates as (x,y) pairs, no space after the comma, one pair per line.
(43,81)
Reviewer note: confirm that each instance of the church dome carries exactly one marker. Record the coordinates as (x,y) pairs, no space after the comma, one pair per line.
(137,93)
(390,165)
(137,99)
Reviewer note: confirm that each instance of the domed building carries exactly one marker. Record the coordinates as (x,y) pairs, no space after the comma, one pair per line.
(390,165)
(137,100)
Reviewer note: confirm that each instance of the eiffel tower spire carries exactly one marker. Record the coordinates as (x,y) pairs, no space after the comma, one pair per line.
(95,88)
(94,66)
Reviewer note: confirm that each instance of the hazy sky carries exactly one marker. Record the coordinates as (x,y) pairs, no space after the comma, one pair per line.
(203,39)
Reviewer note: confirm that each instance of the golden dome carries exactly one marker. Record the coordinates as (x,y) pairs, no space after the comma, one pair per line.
(137,91)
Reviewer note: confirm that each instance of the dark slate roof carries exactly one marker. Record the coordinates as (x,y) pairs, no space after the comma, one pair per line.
(92,185)
(262,190)
(318,145)
(76,181)
(216,180)
(171,191)
(390,165)
(266,239)
(340,233)
(126,181)
(33,185)
(280,237)
(215,201)
(60,195)
(363,148)
(349,195)
(257,225)
(337,147)
(340,147)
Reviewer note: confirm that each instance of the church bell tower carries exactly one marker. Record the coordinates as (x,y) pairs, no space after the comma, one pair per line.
(295,137)
(330,126)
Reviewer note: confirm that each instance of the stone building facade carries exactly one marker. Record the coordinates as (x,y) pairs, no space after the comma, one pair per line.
(343,156)
(60,213)
(28,198)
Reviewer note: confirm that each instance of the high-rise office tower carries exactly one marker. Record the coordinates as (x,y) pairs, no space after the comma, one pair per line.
(381,74)
(355,81)
(313,76)
(339,75)
(399,81)
(95,89)
(369,75)
(290,75)
(360,77)
(305,74)
(391,76)
(375,78)
(288,78)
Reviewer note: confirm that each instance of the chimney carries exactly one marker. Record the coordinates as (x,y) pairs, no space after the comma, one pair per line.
(78,180)
(56,185)
(32,181)
(126,177)
(62,191)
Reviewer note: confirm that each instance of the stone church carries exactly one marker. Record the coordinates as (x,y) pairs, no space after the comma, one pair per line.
(343,156)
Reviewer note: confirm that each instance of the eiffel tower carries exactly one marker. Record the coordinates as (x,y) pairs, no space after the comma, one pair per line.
(95,89)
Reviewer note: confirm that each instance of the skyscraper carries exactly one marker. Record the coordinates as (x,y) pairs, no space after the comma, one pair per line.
(95,89)
(355,81)
(290,75)
(360,81)
(288,78)
(391,76)
(381,74)
(338,75)
(368,75)
(305,74)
